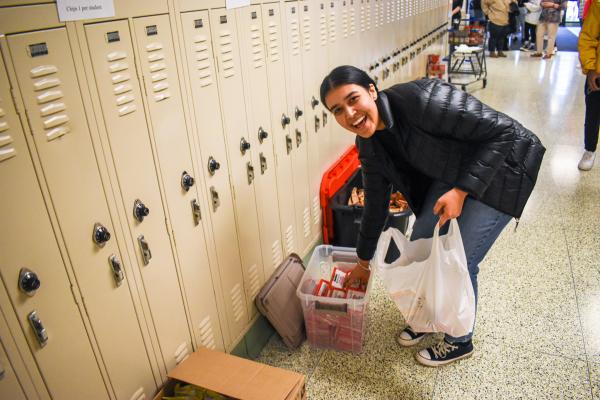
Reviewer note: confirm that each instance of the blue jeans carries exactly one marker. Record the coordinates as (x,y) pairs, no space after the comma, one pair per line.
(480,226)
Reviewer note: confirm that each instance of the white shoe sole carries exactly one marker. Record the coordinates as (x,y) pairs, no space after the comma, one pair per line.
(430,363)
(409,343)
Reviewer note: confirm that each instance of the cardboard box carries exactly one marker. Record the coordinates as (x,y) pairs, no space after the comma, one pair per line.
(236,377)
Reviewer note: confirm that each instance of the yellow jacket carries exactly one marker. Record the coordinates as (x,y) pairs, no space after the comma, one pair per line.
(589,39)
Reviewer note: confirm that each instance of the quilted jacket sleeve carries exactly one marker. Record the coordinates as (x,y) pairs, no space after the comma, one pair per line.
(440,110)
(377,200)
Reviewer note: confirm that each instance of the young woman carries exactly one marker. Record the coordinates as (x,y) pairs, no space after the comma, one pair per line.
(449,154)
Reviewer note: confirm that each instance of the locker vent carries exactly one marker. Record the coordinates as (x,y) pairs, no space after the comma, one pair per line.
(381,14)
(138,395)
(158,83)
(118,67)
(306,34)
(273,42)
(276,254)
(207,338)
(289,240)
(362,18)
(182,352)
(368,19)
(55,121)
(316,211)
(202,56)
(295,38)
(226,52)
(258,58)
(323,29)
(237,302)
(388,13)
(398,11)
(6,150)
(306,222)
(332,27)
(352,22)
(253,281)
(345,23)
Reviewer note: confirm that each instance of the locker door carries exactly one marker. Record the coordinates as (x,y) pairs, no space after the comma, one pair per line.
(293,57)
(324,136)
(157,60)
(282,139)
(311,73)
(335,48)
(62,352)
(254,72)
(209,128)
(243,170)
(10,388)
(111,53)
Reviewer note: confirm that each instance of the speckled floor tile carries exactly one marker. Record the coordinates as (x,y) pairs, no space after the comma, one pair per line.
(498,371)
(302,360)
(595,379)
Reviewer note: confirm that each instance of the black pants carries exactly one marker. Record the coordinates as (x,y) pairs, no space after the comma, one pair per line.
(592,118)
(529,34)
(497,37)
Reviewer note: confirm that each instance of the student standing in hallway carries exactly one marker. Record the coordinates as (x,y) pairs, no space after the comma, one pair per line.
(589,55)
(497,13)
(549,20)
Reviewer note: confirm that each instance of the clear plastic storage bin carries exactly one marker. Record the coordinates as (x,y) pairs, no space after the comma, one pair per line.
(335,323)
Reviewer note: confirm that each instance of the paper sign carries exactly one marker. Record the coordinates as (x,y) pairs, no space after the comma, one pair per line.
(73,10)
(236,3)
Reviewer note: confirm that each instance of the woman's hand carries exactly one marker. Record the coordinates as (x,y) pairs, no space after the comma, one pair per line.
(449,205)
(360,274)
(593,80)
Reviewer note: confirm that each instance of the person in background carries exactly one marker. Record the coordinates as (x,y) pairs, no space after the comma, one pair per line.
(549,19)
(497,13)
(456,13)
(531,20)
(450,155)
(476,13)
(589,55)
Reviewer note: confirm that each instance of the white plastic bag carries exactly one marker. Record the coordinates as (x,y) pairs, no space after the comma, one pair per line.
(430,281)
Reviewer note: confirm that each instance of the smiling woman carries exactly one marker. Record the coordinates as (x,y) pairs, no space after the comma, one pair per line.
(450,155)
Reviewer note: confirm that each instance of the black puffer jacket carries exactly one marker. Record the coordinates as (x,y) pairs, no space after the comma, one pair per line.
(442,133)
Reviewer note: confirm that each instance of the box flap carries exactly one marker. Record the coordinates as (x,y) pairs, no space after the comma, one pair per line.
(236,377)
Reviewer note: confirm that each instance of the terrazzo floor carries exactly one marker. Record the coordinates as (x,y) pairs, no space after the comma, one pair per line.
(538,324)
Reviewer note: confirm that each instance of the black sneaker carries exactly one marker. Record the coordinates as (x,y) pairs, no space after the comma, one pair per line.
(408,337)
(444,353)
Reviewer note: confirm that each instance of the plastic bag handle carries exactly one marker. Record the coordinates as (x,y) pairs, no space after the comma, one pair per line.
(384,243)
(453,235)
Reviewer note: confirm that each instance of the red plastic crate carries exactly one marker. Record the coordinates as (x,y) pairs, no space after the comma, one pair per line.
(333,179)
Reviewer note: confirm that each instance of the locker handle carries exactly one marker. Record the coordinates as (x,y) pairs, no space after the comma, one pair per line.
(324,118)
(298,138)
(38,328)
(215,198)
(298,113)
(285,120)
(263,163)
(317,123)
(250,172)
(244,145)
(288,144)
(262,134)
(115,266)
(213,165)
(145,248)
(196,212)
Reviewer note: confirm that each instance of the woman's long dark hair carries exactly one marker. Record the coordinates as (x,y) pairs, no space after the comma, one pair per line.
(343,75)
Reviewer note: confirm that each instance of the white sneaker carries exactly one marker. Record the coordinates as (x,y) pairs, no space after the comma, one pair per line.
(587,160)
(555,50)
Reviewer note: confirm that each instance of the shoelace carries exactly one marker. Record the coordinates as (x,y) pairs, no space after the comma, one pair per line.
(442,349)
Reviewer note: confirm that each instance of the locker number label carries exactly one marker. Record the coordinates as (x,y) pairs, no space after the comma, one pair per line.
(151,30)
(38,49)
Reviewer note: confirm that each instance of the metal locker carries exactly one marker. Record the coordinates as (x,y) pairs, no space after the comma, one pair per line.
(322,50)
(293,62)
(118,90)
(29,259)
(10,384)
(282,138)
(158,64)
(258,110)
(239,150)
(209,130)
